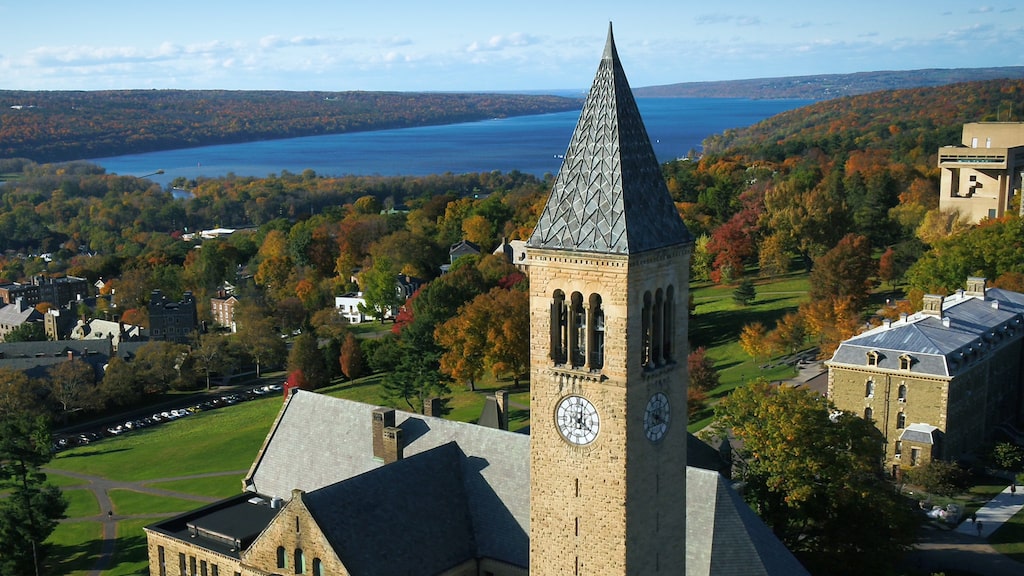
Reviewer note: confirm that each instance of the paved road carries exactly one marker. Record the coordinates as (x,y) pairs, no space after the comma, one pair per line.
(101,487)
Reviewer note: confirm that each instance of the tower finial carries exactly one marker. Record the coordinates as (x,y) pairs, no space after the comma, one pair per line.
(609,46)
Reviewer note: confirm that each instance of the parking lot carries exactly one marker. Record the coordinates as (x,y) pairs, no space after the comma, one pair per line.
(137,421)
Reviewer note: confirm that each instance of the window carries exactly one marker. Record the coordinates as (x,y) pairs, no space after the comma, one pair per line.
(282,557)
(668,325)
(902,394)
(318,567)
(872,358)
(578,331)
(899,448)
(869,389)
(596,333)
(868,413)
(300,561)
(645,331)
(160,560)
(181,564)
(657,328)
(559,328)
(901,420)
(915,456)
(905,361)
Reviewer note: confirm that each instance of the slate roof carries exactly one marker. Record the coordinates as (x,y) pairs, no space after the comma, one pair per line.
(462,492)
(920,433)
(971,325)
(609,195)
(496,468)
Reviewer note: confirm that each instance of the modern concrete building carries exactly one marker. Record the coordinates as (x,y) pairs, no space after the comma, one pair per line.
(941,382)
(981,178)
(601,485)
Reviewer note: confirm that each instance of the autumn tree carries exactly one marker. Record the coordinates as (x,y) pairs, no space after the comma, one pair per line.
(812,474)
(830,320)
(789,335)
(753,341)
(210,355)
(305,357)
(379,290)
(845,271)
(703,375)
(353,365)
(257,335)
(887,267)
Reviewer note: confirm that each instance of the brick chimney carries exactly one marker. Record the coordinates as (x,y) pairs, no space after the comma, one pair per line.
(382,418)
(432,407)
(393,447)
(501,397)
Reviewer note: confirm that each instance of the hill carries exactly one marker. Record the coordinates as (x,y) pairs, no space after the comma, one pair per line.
(68,125)
(827,86)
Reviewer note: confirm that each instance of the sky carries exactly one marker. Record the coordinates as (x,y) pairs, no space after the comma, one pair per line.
(457,45)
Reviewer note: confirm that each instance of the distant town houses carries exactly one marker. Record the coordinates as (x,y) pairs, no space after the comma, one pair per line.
(57,291)
(350,304)
(222,309)
(12,316)
(514,252)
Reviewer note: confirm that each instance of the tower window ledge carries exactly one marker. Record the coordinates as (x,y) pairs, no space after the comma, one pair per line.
(580,373)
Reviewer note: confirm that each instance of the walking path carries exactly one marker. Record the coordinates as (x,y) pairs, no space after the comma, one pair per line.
(993,514)
(101,487)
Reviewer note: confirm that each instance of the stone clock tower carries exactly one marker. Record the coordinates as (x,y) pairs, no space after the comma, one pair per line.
(609,266)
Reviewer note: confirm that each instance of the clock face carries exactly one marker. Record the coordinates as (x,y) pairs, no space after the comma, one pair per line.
(656,417)
(577,420)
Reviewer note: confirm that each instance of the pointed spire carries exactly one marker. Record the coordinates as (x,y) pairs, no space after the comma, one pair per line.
(609,195)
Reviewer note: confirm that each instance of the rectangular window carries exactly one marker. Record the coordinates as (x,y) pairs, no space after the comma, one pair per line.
(181,564)
(160,560)
(915,456)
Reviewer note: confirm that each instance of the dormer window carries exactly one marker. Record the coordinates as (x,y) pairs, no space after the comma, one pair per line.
(906,361)
(873,358)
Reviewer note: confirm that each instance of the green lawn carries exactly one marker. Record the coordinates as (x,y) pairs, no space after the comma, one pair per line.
(1009,538)
(81,503)
(74,547)
(130,554)
(214,486)
(129,502)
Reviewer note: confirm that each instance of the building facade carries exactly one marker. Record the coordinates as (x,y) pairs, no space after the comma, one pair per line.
(982,177)
(172,321)
(941,382)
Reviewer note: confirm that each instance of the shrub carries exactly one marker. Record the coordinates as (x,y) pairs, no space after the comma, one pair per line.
(940,477)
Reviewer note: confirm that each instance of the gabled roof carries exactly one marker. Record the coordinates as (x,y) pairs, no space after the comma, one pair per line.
(609,195)
(410,517)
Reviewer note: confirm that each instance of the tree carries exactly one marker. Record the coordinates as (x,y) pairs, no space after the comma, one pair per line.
(353,365)
(744,293)
(379,292)
(72,385)
(940,477)
(17,392)
(210,355)
(31,508)
(1008,456)
(415,377)
(753,341)
(119,386)
(888,270)
(844,271)
(159,364)
(812,473)
(832,320)
(257,335)
(27,332)
(789,335)
(703,375)
(305,357)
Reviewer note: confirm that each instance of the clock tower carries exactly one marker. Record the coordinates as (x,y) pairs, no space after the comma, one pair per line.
(609,267)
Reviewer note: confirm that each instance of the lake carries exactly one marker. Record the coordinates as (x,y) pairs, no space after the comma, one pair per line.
(531,144)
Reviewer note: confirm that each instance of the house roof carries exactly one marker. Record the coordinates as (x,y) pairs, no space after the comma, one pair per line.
(609,195)
(969,327)
(920,433)
(461,492)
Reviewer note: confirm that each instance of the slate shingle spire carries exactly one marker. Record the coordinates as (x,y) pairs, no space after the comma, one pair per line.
(609,195)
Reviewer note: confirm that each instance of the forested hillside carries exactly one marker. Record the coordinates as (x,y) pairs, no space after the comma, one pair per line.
(61,126)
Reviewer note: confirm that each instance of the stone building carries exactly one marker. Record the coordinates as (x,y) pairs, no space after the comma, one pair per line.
(172,321)
(601,485)
(59,292)
(982,177)
(938,383)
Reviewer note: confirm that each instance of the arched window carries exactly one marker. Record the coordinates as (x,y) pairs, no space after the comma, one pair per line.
(318,567)
(596,332)
(901,420)
(902,393)
(869,389)
(645,332)
(300,561)
(282,557)
(668,325)
(656,337)
(559,327)
(578,331)
(868,413)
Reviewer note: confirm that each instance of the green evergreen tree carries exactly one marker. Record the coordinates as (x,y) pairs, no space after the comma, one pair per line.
(745,293)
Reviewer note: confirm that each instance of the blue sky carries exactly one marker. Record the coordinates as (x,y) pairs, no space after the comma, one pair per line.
(456,45)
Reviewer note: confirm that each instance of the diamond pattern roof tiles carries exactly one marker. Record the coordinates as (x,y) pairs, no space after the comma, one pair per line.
(609,195)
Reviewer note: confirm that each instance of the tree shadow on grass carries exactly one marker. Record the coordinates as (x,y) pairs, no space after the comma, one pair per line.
(92,452)
(721,327)
(65,559)
(130,550)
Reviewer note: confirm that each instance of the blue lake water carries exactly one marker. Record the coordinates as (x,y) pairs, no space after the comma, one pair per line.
(531,144)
